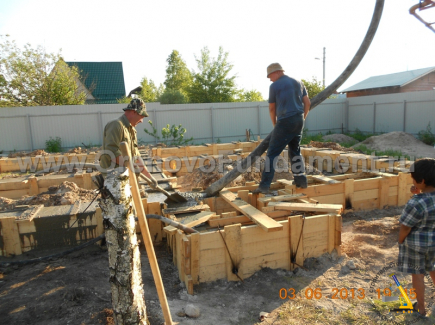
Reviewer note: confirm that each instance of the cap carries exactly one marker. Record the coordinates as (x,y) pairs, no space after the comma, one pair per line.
(137,105)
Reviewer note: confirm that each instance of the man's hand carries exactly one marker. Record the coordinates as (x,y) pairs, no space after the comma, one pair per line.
(415,190)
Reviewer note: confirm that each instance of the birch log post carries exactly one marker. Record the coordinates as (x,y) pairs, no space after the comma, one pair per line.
(124,257)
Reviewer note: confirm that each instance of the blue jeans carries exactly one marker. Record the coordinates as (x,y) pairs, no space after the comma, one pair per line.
(287,131)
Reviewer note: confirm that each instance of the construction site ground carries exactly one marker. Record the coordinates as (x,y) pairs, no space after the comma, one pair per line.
(75,289)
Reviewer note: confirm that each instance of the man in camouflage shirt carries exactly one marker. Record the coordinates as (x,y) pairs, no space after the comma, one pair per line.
(123,130)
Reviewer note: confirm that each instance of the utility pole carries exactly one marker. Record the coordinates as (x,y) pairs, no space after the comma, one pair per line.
(324,59)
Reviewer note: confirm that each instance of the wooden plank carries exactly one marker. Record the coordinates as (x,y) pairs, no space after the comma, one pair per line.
(325,208)
(194,257)
(338,228)
(288,197)
(324,179)
(279,260)
(234,244)
(248,210)
(348,193)
(197,219)
(320,190)
(196,208)
(99,219)
(186,255)
(34,189)
(316,224)
(328,199)
(155,226)
(403,193)
(331,233)
(11,237)
(87,181)
(366,195)
(254,234)
(384,184)
(75,208)
(366,184)
(368,204)
(221,222)
(179,253)
(189,284)
(296,242)
(243,195)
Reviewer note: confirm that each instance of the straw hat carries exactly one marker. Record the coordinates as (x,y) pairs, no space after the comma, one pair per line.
(274,67)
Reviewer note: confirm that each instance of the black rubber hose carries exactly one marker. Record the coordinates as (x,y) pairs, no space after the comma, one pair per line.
(214,188)
(92,241)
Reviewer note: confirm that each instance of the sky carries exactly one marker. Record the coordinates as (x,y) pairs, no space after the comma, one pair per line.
(142,34)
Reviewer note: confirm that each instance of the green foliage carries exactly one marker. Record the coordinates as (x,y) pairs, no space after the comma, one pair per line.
(250,96)
(174,135)
(173,96)
(426,135)
(150,93)
(389,152)
(154,132)
(32,77)
(212,83)
(53,145)
(178,76)
(218,140)
(171,135)
(359,135)
(313,87)
(124,100)
(306,138)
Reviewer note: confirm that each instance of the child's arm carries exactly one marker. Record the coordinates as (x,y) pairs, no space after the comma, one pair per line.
(403,232)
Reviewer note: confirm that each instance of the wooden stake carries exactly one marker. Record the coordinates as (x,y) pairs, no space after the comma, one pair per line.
(146,235)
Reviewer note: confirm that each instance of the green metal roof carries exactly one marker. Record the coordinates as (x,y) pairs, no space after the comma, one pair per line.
(398,79)
(107,77)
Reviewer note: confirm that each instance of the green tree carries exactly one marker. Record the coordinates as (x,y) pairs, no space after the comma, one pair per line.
(250,96)
(173,96)
(313,87)
(178,76)
(212,83)
(32,77)
(150,92)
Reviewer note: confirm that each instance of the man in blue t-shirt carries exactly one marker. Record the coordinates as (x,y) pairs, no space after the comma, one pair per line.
(289,105)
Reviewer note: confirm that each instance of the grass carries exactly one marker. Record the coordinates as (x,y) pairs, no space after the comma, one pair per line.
(378,153)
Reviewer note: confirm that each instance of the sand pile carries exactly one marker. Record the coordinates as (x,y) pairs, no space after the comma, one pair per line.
(399,141)
(66,193)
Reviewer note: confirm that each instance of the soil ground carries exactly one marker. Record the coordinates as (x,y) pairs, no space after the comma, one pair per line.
(75,289)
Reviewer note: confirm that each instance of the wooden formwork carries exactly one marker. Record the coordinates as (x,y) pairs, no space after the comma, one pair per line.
(23,164)
(37,227)
(14,188)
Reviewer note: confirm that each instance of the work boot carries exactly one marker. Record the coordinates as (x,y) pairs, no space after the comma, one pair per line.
(300,181)
(262,190)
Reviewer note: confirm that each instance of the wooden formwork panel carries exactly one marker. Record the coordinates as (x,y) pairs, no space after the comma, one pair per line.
(251,248)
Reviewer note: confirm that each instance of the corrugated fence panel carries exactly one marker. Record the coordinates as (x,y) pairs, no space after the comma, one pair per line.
(14,134)
(361,117)
(328,116)
(389,117)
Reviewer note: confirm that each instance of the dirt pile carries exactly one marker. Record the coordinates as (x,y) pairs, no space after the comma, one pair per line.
(34,153)
(329,145)
(339,138)
(399,141)
(66,193)
(80,150)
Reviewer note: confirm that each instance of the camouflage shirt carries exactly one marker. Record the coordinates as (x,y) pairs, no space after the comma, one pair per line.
(115,132)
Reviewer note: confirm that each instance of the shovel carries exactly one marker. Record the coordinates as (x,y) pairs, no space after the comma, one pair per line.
(171,197)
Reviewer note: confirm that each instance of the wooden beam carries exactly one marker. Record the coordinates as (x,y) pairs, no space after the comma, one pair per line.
(11,237)
(222,222)
(233,240)
(325,208)
(248,210)
(324,179)
(30,213)
(296,241)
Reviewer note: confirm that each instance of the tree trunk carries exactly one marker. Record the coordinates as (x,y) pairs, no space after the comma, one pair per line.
(124,257)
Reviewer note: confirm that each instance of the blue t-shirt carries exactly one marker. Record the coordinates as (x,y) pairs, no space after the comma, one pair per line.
(287,95)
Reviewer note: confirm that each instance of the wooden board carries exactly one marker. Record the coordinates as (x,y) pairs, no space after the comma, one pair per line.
(233,251)
(200,207)
(324,208)
(248,210)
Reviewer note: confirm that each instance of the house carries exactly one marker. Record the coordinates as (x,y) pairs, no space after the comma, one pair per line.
(104,81)
(400,82)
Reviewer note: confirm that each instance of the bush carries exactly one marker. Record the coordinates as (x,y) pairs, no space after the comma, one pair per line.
(427,136)
(171,135)
(53,145)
